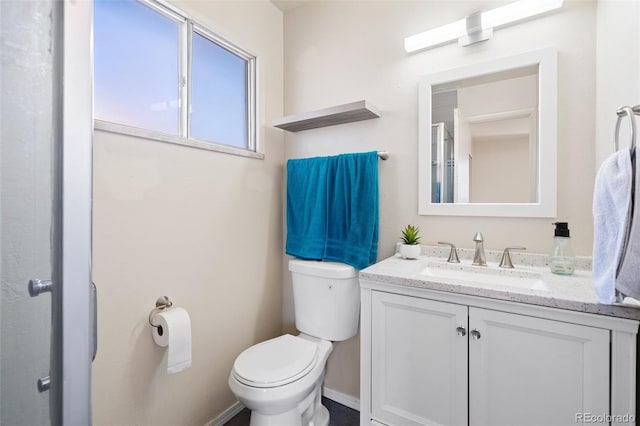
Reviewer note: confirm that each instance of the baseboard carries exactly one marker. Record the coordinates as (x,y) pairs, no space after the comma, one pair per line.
(341,398)
(226,415)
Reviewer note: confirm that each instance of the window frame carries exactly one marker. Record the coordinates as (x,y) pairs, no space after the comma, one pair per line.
(187,26)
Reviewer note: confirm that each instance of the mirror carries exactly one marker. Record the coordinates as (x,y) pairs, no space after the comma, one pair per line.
(487,138)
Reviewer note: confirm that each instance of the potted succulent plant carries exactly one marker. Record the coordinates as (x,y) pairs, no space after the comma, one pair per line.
(410,249)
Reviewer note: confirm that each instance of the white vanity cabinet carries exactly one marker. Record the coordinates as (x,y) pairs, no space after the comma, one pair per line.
(418,361)
(436,358)
(533,371)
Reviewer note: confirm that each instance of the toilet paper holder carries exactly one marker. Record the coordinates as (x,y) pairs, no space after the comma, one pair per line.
(163,302)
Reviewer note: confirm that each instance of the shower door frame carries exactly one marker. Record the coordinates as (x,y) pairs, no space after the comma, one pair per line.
(73,308)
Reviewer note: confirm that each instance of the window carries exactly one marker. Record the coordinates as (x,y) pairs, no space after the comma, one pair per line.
(158,74)
(216,73)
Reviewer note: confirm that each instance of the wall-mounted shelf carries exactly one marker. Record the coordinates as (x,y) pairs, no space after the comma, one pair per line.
(347,113)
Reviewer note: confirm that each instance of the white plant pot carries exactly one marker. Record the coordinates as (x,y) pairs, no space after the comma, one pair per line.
(410,251)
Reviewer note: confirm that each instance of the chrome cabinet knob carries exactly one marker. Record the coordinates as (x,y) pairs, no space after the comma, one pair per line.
(461,331)
(475,334)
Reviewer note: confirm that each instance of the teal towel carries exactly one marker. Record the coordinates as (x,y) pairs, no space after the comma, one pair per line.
(307,207)
(332,208)
(352,209)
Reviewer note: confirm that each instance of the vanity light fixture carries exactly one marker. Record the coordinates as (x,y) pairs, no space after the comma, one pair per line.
(479,26)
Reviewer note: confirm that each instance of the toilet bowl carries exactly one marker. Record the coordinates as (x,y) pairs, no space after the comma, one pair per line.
(280,380)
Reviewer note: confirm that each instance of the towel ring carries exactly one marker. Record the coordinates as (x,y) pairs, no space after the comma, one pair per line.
(163,302)
(629,112)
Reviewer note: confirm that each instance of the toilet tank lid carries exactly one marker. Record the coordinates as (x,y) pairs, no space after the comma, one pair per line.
(322,269)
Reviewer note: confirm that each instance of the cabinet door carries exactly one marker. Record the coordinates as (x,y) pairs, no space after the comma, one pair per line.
(532,371)
(418,361)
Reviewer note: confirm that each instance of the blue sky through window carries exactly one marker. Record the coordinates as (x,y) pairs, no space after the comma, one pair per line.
(136,62)
(218,94)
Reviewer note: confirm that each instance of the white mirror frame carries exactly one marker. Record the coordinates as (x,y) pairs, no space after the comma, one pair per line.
(547,60)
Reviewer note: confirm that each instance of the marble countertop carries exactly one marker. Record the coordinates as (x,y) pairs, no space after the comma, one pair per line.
(529,282)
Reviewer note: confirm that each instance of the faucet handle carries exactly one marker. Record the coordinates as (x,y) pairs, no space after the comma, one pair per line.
(506,257)
(453,254)
(478,238)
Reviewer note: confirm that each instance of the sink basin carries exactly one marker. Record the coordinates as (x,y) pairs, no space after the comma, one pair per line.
(488,276)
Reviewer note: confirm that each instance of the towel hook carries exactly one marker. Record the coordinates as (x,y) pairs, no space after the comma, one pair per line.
(163,302)
(629,112)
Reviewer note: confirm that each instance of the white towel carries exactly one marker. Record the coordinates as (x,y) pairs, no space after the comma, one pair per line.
(628,278)
(611,218)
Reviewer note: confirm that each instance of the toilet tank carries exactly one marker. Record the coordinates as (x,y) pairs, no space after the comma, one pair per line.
(326,296)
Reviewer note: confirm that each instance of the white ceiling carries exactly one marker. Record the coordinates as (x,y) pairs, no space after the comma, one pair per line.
(287,5)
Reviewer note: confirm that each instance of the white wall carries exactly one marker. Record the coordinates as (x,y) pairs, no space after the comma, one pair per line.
(462,148)
(201,227)
(618,70)
(499,96)
(493,160)
(336,52)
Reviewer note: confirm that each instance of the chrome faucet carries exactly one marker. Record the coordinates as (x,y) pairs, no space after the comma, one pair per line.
(506,257)
(453,254)
(479,257)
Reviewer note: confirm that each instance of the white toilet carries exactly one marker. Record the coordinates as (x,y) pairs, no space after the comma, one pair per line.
(280,380)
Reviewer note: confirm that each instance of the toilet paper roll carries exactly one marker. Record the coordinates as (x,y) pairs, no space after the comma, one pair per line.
(174,331)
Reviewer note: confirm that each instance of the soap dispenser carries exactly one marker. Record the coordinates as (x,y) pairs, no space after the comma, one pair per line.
(562,260)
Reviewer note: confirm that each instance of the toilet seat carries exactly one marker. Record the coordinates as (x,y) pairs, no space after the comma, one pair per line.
(275,362)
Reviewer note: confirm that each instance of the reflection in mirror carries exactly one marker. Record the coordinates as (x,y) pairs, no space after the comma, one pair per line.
(484,146)
(488,142)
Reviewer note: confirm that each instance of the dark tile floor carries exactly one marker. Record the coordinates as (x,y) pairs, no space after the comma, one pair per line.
(339,415)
